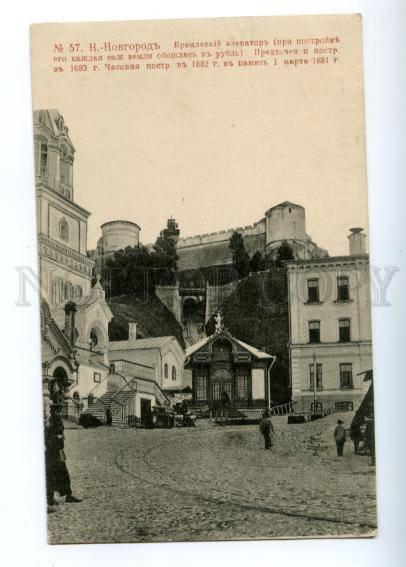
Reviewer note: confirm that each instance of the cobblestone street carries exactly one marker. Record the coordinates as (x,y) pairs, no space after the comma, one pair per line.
(213,483)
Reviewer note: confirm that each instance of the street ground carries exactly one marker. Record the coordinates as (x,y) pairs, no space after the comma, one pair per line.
(214,483)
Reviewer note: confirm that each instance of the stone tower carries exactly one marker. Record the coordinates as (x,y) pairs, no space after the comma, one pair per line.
(286,222)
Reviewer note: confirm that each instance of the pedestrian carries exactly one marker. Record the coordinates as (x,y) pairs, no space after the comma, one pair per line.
(356,435)
(370,438)
(57,474)
(109,417)
(225,402)
(340,437)
(266,427)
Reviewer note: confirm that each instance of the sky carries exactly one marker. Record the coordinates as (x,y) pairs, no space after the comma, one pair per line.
(214,149)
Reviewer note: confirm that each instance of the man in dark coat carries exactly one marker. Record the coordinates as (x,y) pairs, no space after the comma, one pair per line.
(340,437)
(265,427)
(109,417)
(370,438)
(356,434)
(57,475)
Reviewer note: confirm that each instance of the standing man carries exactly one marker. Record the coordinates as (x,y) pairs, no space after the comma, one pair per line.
(225,402)
(340,437)
(109,417)
(356,435)
(370,438)
(265,427)
(57,475)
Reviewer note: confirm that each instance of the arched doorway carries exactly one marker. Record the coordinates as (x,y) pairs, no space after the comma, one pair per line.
(221,384)
(58,384)
(190,309)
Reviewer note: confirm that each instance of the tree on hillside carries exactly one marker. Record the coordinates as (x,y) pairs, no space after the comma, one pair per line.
(285,253)
(166,257)
(257,262)
(137,270)
(240,257)
(126,271)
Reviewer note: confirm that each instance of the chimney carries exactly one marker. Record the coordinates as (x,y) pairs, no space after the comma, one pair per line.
(357,241)
(69,331)
(132,331)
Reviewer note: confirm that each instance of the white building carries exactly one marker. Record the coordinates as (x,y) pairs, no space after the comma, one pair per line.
(330,328)
(162,353)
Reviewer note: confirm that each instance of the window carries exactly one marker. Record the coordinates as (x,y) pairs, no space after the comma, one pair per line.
(344,330)
(166,372)
(68,291)
(63,229)
(173,373)
(346,375)
(242,387)
(314,331)
(65,168)
(319,376)
(57,291)
(97,377)
(93,339)
(216,391)
(77,291)
(343,406)
(201,388)
(343,293)
(319,406)
(313,291)
(43,159)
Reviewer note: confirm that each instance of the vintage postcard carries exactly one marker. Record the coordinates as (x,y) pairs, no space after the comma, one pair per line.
(202,224)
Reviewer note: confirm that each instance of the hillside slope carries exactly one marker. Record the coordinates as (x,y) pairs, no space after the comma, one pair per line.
(152,317)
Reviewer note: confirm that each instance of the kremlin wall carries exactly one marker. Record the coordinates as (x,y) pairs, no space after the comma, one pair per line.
(283,222)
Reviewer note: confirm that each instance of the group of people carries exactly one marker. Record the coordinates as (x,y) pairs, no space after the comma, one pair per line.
(364,442)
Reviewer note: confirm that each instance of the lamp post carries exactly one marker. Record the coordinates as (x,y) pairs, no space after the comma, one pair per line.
(314,381)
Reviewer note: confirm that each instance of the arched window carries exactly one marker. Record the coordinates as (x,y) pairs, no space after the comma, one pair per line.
(68,291)
(94,339)
(166,372)
(57,291)
(65,167)
(43,158)
(77,291)
(63,229)
(173,373)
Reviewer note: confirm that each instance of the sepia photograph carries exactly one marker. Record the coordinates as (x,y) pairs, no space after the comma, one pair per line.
(205,289)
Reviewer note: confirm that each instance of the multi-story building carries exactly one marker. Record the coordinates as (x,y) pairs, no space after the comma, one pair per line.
(330,328)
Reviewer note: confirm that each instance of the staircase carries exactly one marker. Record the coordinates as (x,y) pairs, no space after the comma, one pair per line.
(121,388)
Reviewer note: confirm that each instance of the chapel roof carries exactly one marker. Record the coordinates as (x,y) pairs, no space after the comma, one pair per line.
(251,349)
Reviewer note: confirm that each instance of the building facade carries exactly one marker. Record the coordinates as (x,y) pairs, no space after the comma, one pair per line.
(164,354)
(330,328)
